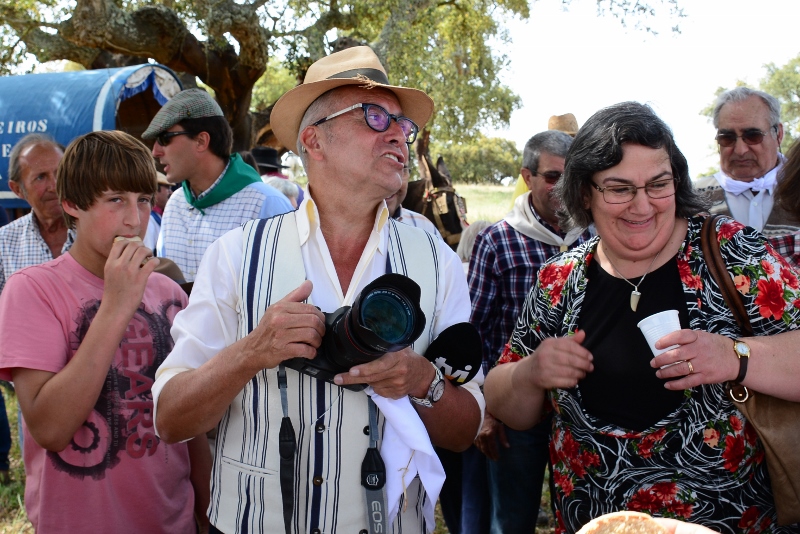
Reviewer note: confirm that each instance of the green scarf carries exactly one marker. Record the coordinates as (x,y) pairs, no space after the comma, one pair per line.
(238,176)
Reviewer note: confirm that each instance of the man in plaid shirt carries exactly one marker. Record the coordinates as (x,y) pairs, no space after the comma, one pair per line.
(503,267)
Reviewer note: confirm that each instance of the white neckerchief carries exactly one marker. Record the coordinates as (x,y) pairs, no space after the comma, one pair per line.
(523,220)
(764,183)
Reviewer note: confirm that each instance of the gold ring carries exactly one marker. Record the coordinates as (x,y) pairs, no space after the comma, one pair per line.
(691,369)
(144,261)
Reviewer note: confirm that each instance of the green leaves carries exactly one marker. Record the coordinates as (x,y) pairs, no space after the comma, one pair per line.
(480,160)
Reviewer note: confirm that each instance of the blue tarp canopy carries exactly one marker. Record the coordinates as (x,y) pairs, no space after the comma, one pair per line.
(65,105)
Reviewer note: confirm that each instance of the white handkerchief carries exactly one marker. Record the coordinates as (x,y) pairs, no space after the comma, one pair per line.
(407,451)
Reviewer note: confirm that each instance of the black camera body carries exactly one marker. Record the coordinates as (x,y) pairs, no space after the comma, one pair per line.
(385,317)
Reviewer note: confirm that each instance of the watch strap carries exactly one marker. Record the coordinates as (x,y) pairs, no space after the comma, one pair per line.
(428,401)
(743,360)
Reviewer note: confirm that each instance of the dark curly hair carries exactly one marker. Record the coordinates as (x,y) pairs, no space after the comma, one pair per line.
(598,146)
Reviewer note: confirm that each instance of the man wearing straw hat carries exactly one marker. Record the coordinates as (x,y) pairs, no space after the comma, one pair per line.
(291,449)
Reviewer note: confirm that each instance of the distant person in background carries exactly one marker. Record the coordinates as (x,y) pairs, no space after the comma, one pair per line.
(463,499)
(789,182)
(269,166)
(749,135)
(566,123)
(159,203)
(411,218)
(788,193)
(5,441)
(219,191)
(464,249)
(284,186)
(249,159)
(42,234)
(505,261)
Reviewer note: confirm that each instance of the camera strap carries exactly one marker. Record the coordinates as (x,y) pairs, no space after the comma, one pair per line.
(287,445)
(373,477)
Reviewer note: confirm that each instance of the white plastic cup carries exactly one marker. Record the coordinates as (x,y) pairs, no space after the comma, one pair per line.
(659,325)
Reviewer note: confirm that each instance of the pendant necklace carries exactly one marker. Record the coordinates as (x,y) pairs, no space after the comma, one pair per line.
(635,293)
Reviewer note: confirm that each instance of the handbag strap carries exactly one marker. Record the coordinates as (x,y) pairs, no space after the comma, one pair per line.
(719,272)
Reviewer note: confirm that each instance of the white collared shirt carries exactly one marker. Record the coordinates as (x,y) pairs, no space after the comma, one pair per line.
(749,208)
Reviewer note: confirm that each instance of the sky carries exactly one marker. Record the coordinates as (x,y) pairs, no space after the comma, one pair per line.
(577,62)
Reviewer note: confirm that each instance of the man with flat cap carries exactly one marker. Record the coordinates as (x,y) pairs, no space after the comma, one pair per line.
(193,142)
(296,453)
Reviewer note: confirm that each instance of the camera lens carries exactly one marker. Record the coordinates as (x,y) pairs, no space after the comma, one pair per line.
(388,314)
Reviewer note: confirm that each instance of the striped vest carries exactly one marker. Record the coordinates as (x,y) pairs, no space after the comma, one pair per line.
(329,421)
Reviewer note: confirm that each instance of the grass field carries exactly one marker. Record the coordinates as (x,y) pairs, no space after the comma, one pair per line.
(13,519)
(485,202)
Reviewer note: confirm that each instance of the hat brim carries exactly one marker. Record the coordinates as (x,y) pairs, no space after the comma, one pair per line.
(287,114)
(271,166)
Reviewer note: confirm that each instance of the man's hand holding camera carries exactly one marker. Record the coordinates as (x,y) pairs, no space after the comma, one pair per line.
(394,375)
(290,328)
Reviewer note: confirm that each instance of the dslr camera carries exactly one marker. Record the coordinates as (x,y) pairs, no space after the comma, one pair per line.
(385,317)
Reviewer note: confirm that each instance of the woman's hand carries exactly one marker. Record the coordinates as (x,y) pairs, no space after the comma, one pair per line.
(515,392)
(702,358)
(559,362)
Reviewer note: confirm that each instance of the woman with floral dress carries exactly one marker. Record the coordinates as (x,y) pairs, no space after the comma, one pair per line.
(631,431)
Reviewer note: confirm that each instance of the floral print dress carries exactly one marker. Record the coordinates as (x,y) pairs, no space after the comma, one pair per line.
(702,463)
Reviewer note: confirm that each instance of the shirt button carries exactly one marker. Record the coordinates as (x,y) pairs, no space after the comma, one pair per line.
(317,481)
(366,431)
(364,531)
(316,531)
(320,428)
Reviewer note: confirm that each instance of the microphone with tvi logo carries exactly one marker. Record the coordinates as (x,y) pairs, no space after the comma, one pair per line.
(457,352)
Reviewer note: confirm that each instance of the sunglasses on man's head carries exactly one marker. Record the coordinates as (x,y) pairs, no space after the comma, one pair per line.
(750,137)
(165,137)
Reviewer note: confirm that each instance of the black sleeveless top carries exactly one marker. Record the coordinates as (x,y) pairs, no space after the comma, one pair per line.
(623,389)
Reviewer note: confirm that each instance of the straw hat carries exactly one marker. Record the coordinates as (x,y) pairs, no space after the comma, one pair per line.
(357,66)
(565,123)
(162,180)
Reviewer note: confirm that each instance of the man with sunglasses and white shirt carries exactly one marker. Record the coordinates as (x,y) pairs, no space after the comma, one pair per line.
(749,135)
(505,260)
(296,453)
(193,142)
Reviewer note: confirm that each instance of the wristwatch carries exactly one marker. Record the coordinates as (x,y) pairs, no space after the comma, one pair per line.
(435,391)
(742,351)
